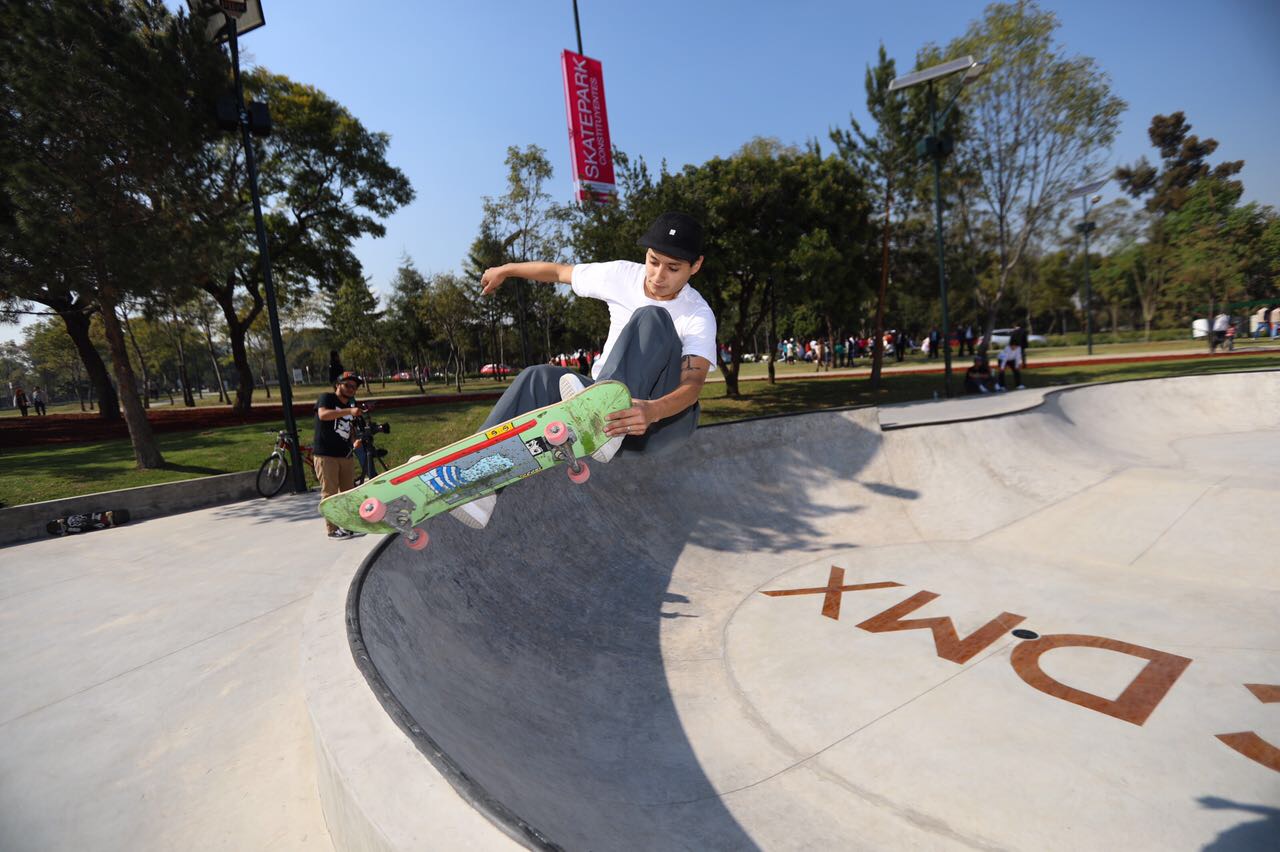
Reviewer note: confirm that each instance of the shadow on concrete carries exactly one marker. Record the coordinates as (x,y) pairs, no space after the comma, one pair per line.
(1261,834)
(283,508)
(530,653)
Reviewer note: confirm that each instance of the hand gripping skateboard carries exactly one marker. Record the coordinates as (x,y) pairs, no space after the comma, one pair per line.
(402,498)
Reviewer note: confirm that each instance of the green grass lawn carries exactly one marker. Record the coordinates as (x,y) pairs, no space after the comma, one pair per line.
(46,473)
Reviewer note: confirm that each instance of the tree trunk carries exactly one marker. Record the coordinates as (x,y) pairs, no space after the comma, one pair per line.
(142,363)
(217,369)
(730,371)
(77,323)
(771,339)
(144,443)
(188,398)
(236,330)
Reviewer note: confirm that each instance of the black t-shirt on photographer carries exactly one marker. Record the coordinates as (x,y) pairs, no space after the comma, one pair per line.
(334,437)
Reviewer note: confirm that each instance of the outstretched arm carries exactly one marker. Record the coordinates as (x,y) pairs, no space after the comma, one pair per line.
(547,273)
(645,412)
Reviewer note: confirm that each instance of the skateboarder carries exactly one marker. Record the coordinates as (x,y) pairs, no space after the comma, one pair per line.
(334,441)
(661,344)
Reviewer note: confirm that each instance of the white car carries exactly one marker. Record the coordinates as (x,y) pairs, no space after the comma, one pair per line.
(1000,338)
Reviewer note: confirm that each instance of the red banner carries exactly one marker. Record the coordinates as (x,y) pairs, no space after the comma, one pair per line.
(588,127)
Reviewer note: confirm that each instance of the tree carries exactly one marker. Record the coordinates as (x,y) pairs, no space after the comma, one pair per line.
(100,123)
(1166,190)
(449,307)
(1037,122)
(352,316)
(54,359)
(325,181)
(407,329)
(774,212)
(530,226)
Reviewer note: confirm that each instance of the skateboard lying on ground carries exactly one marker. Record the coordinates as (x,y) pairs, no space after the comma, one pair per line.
(405,496)
(87,522)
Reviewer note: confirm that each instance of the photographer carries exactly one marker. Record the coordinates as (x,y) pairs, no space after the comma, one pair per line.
(367,453)
(335,439)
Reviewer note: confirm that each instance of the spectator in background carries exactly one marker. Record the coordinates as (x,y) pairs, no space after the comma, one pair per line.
(977,379)
(1220,324)
(1019,336)
(20,401)
(967,339)
(334,441)
(335,367)
(1230,337)
(1010,358)
(933,341)
(38,400)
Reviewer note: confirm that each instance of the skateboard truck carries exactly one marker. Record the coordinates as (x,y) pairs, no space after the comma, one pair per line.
(561,439)
(397,514)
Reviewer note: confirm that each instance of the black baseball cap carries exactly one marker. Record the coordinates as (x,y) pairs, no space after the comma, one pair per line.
(349,377)
(675,234)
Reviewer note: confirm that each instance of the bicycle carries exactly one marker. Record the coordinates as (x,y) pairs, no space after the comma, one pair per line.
(274,472)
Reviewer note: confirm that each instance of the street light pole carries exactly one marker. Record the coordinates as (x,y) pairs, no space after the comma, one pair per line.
(251,166)
(937,147)
(1085,227)
(1087,200)
(938,153)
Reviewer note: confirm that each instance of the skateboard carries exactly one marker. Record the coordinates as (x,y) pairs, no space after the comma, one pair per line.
(87,522)
(425,486)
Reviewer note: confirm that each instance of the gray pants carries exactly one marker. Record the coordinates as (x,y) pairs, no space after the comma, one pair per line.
(645,358)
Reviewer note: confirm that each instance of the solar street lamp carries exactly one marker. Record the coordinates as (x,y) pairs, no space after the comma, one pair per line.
(225,20)
(936,147)
(1088,197)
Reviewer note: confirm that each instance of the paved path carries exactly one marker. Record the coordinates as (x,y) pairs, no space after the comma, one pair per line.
(152,692)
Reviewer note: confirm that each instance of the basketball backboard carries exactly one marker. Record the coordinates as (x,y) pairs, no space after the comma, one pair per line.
(247,15)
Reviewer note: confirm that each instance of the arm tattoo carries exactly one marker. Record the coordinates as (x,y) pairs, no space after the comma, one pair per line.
(686,364)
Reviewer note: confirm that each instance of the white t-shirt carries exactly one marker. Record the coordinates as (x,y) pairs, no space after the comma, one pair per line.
(1010,356)
(620,284)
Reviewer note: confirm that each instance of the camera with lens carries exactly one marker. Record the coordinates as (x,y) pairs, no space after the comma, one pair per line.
(366,428)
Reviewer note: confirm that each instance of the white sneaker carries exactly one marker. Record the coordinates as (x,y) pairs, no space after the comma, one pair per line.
(1022,387)
(1000,388)
(476,514)
(570,385)
(608,451)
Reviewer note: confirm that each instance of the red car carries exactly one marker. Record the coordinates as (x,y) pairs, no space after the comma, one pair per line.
(496,370)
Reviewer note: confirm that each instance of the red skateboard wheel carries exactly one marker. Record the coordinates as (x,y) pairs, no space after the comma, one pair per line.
(556,433)
(373,510)
(419,541)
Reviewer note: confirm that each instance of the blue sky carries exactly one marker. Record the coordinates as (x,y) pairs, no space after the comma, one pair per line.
(455,83)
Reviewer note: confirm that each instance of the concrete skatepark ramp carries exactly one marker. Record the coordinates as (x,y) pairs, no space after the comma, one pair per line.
(1053,629)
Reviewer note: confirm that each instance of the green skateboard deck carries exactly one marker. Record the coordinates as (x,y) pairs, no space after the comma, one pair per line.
(486,461)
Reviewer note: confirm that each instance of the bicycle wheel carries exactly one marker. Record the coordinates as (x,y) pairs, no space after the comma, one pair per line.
(272,475)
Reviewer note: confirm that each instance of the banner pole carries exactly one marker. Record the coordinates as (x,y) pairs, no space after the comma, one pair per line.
(577,26)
